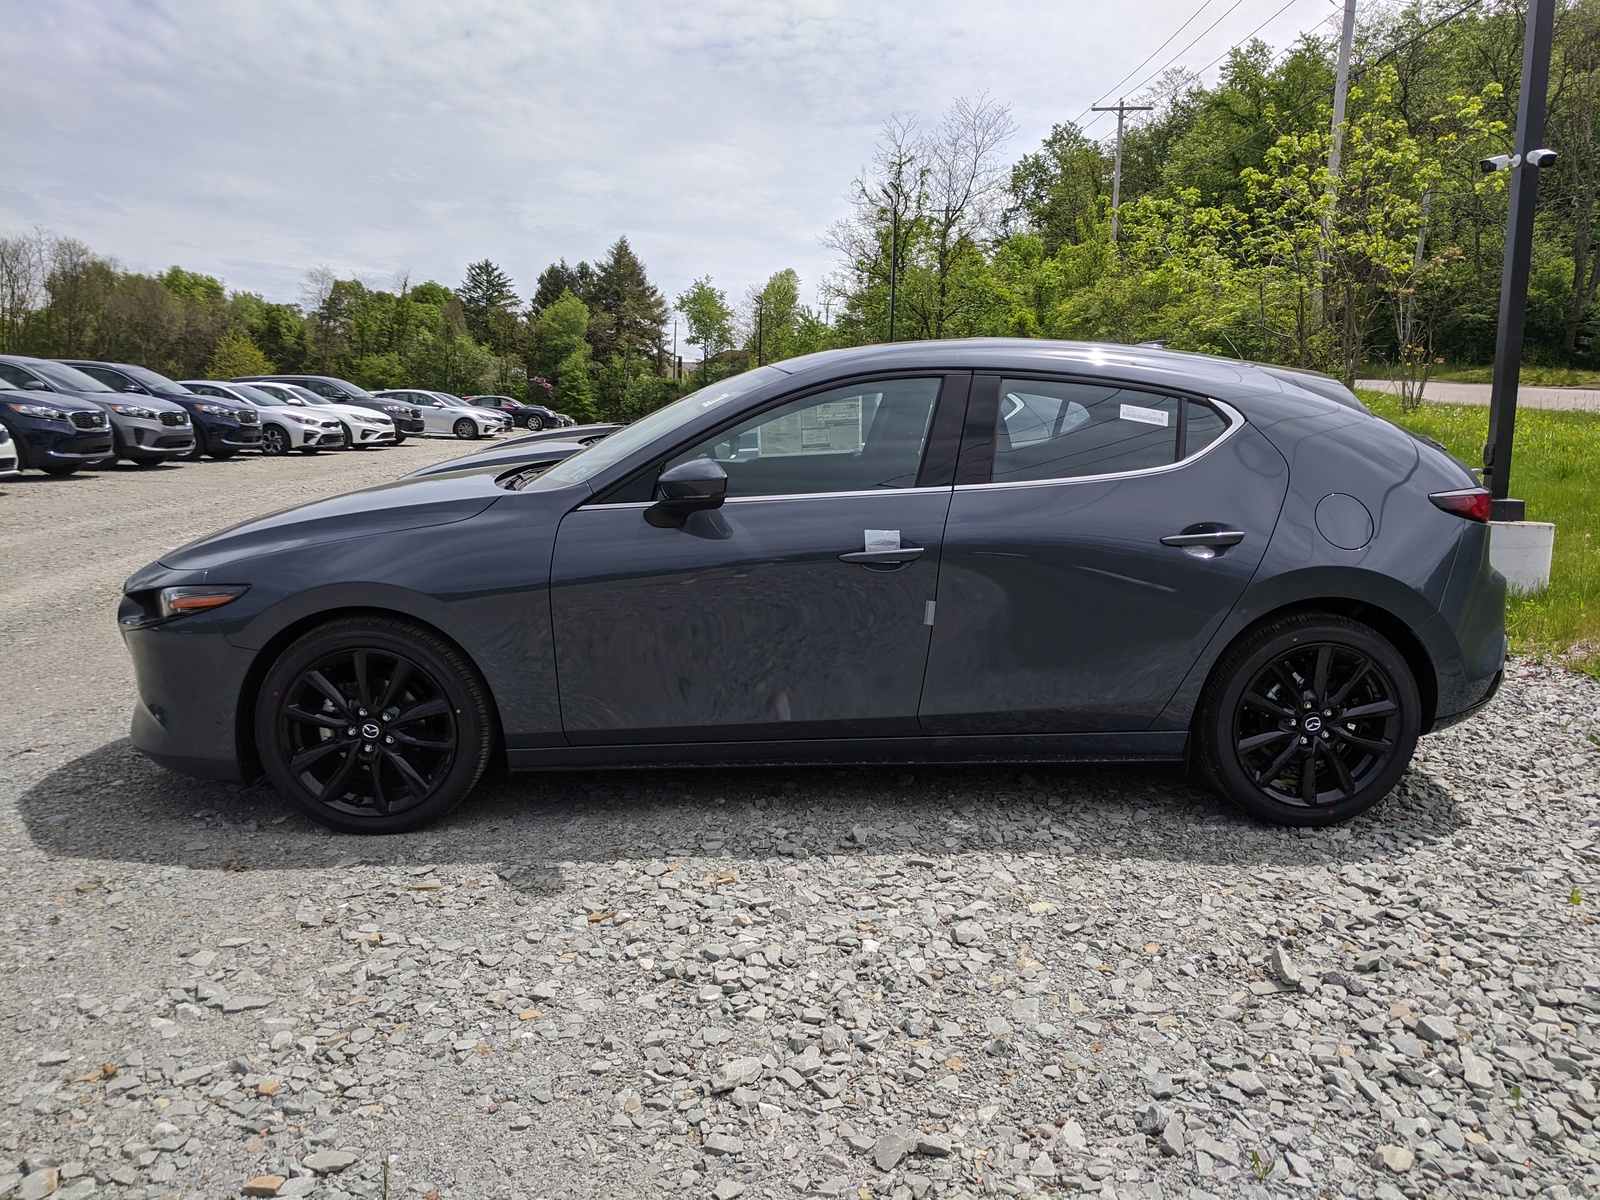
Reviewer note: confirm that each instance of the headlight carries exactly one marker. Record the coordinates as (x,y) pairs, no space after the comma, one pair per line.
(43,411)
(394,408)
(298,419)
(216,410)
(150,608)
(134,410)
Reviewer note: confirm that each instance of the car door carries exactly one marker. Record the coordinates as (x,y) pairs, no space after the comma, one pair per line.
(1098,536)
(798,609)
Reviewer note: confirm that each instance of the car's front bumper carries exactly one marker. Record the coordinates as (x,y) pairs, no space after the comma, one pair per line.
(371,435)
(143,438)
(405,425)
(189,682)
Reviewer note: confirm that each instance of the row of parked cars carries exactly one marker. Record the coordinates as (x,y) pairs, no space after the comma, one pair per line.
(58,415)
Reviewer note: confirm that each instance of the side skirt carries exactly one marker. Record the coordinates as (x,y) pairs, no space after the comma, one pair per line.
(1053,747)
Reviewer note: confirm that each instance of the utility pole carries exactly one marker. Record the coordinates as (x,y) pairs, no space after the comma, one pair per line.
(760,334)
(892,195)
(1121,109)
(1524,162)
(1341,93)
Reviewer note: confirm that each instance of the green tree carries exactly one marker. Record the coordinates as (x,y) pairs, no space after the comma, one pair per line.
(705,310)
(488,300)
(1057,190)
(236,354)
(627,312)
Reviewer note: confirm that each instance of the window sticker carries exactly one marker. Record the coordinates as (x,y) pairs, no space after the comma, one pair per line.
(831,428)
(1145,416)
(881,539)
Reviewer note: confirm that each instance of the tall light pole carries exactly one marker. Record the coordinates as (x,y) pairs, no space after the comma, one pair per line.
(1524,162)
(1121,110)
(891,194)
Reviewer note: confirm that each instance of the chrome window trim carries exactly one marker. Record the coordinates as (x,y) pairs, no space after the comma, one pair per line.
(910,491)
(1235,422)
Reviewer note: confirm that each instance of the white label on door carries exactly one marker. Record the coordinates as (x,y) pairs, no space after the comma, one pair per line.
(881,539)
(1145,416)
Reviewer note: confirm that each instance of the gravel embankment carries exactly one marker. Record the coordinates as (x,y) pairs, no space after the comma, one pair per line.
(929,982)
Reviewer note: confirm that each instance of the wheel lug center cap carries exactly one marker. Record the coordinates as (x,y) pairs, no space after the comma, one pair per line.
(1312,723)
(370,731)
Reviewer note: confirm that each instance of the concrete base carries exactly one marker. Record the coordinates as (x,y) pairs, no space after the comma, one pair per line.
(1521,550)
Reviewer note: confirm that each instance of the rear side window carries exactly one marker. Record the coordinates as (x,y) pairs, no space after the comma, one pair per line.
(1047,429)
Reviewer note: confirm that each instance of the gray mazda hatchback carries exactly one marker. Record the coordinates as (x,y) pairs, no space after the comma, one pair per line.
(975,551)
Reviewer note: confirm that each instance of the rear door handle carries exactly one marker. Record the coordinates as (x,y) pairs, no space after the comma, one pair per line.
(903,555)
(1210,537)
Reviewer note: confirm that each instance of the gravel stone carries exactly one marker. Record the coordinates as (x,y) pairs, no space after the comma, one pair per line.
(1070,979)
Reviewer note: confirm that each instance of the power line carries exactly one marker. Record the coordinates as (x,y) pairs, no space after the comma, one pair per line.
(1247,37)
(1204,4)
(1226,13)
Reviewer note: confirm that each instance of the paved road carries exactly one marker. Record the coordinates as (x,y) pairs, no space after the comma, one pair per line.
(1579,399)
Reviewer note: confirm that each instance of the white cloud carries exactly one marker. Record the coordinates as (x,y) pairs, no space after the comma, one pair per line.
(254,139)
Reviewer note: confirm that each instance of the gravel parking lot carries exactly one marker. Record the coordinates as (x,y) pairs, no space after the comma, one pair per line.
(892,983)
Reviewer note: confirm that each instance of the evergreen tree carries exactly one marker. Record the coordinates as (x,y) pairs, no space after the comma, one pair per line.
(558,278)
(628,309)
(487,300)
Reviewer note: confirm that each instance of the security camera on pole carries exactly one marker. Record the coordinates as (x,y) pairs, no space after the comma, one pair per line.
(1520,549)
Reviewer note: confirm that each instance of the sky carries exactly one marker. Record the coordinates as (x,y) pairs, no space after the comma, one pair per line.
(255,139)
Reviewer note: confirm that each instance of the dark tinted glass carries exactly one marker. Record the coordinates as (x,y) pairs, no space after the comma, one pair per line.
(851,439)
(1057,430)
(1204,426)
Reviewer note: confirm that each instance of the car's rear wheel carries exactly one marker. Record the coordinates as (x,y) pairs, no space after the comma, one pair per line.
(1308,721)
(373,726)
(275,441)
(466,429)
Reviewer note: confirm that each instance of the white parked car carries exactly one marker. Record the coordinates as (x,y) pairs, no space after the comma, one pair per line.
(10,461)
(362,426)
(285,425)
(444,413)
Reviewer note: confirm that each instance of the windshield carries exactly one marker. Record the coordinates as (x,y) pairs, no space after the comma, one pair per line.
(659,424)
(306,394)
(344,385)
(68,379)
(154,381)
(254,395)
(452,401)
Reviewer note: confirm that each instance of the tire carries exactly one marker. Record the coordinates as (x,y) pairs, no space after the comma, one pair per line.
(201,445)
(1313,687)
(400,438)
(349,441)
(466,429)
(535,422)
(338,781)
(275,441)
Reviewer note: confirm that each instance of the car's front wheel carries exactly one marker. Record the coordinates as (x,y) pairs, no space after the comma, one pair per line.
(1310,720)
(400,439)
(373,726)
(275,441)
(466,429)
(535,422)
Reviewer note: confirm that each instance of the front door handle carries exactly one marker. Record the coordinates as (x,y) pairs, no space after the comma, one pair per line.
(1209,537)
(902,555)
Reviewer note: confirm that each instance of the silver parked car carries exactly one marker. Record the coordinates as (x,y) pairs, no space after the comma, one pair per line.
(444,413)
(285,425)
(145,430)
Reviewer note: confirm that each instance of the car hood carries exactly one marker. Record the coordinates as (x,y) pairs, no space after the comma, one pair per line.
(405,504)
(501,458)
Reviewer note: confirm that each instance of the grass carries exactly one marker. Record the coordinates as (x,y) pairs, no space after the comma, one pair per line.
(1557,471)
(1530,376)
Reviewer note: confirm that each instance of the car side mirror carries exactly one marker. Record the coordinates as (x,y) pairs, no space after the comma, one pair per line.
(692,487)
(36,385)
(132,387)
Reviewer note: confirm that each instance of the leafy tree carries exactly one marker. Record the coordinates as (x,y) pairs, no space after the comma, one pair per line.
(1057,190)
(236,354)
(705,310)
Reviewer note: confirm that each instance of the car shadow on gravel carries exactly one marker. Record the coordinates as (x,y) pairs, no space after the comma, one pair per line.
(538,829)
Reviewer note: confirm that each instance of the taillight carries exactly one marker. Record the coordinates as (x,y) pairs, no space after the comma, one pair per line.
(1471,503)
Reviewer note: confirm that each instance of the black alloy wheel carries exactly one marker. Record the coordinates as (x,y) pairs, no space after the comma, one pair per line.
(274,441)
(466,429)
(1309,721)
(373,726)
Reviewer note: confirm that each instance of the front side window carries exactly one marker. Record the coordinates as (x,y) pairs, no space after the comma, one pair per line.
(857,438)
(1049,429)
